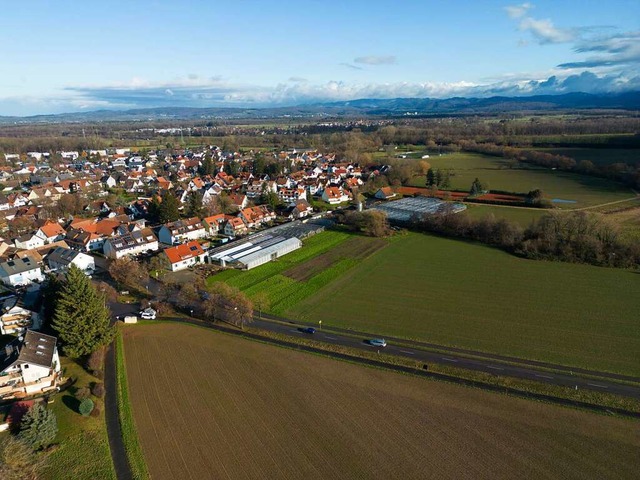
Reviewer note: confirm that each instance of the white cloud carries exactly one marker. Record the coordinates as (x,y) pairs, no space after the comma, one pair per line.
(545,32)
(518,11)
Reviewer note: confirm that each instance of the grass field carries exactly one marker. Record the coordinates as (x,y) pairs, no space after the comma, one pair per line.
(468,295)
(584,190)
(523,216)
(83,448)
(209,405)
(298,275)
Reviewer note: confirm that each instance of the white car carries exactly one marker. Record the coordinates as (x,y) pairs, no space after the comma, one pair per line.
(148,314)
(378,342)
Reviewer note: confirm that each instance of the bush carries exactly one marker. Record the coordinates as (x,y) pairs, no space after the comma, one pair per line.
(82,393)
(96,411)
(98,390)
(86,407)
(95,362)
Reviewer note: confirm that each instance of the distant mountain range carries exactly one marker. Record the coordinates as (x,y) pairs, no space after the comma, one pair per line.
(359,108)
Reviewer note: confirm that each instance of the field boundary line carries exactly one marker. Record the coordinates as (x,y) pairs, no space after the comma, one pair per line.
(129,436)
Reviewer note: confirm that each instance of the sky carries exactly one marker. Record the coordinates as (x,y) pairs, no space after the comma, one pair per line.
(70,56)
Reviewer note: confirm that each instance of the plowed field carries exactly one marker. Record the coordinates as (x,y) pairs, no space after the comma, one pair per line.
(207,405)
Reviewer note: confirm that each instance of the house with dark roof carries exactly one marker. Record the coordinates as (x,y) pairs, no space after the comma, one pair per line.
(29,365)
(20,271)
(185,255)
(182,231)
(132,243)
(62,258)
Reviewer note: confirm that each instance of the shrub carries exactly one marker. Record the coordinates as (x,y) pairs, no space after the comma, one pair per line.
(96,411)
(95,362)
(98,390)
(86,407)
(82,393)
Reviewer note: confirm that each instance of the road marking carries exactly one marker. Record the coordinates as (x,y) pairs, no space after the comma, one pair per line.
(596,385)
(330,338)
(544,376)
(495,368)
(407,352)
(449,359)
(296,331)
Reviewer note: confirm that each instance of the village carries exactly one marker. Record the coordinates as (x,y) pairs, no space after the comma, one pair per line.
(182,208)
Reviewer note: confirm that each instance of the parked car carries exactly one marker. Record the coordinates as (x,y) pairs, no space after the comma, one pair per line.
(148,314)
(309,330)
(378,342)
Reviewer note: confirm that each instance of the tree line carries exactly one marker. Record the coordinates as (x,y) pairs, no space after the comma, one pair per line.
(577,237)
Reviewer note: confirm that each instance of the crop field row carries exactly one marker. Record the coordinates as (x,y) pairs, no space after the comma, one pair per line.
(209,405)
(469,295)
(298,275)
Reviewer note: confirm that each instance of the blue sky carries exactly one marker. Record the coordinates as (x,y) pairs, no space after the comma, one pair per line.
(72,56)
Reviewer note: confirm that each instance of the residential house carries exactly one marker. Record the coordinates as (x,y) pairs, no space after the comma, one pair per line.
(385,193)
(132,243)
(15,319)
(182,231)
(20,271)
(28,241)
(256,216)
(239,200)
(185,255)
(51,232)
(235,227)
(30,366)
(214,223)
(334,195)
(62,258)
(301,210)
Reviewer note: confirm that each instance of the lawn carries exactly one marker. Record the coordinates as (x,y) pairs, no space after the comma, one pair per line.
(209,405)
(83,451)
(323,258)
(468,295)
(581,189)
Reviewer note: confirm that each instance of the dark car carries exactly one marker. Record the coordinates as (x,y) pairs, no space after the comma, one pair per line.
(310,330)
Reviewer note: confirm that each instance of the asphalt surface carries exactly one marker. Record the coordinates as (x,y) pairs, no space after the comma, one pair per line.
(481,365)
(114,432)
(528,370)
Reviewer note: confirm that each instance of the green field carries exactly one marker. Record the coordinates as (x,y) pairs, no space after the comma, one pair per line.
(523,216)
(584,190)
(209,405)
(330,253)
(599,156)
(468,295)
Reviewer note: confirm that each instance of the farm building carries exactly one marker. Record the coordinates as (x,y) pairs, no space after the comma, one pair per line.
(405,209)
(254,251)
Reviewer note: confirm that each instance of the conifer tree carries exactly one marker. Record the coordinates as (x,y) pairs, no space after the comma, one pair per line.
(169,208)
(81,317)
(38,427)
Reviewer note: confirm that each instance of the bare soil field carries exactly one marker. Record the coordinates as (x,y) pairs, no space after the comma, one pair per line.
(355,248)
(208,405)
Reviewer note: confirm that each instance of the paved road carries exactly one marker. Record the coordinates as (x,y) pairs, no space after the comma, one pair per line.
(481,365)
(116,444)
(525,369)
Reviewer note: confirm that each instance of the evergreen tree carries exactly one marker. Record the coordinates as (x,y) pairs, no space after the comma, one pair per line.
(431,178)
(477,187)
(169,208)
(438,177)
(81,317)
(154,210)
(446,180)
(195,207)
(51,293)
(38,427)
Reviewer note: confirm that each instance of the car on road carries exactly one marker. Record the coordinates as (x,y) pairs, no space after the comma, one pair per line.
(378,342)
(309,330)
(148,314)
